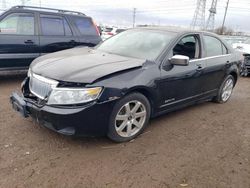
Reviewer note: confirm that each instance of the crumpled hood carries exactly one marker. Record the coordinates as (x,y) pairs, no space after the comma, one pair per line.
(81,65)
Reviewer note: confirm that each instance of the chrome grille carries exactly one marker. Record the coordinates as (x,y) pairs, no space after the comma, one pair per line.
(247,60)
(41,86)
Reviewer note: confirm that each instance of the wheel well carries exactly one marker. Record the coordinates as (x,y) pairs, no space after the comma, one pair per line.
(234,74)
(147,94)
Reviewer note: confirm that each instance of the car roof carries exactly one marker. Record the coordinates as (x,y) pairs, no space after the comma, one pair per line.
(46,10)
(181,31)
(177,30)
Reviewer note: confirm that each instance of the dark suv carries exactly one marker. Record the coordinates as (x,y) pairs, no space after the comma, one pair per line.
(28,32)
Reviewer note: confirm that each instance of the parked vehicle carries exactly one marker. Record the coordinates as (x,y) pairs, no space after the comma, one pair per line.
(117,87)
(244,48)
(233,39)
(28,32)
(110,31)
(245,69)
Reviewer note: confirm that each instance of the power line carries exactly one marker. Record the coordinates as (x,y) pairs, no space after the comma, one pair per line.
(134,14)
(211,18)
(199,15)
(4,4)
(165,9)
(23,2)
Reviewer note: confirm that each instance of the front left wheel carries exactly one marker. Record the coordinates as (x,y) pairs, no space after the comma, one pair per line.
(129,117)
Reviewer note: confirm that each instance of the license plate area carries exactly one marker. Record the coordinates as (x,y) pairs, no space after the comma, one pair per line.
(19,105)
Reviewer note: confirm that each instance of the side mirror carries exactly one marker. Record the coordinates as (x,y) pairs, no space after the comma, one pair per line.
(179,60)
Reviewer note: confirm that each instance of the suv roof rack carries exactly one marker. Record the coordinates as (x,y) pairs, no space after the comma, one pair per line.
(48,9)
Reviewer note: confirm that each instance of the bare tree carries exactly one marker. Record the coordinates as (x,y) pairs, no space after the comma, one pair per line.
(224,31)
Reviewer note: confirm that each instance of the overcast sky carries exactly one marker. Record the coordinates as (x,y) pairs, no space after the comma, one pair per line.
(163,12)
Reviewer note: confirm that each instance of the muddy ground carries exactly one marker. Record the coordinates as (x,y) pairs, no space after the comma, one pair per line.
(203,146)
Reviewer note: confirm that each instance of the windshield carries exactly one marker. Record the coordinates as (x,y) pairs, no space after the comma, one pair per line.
(143,44)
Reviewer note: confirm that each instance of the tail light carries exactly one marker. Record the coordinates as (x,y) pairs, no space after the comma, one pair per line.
(109,33)
(96,28)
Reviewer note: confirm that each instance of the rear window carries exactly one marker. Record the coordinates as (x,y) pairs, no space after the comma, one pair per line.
(214,47)
(85,26)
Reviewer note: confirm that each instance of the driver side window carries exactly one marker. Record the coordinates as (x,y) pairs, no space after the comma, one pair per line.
(18,24)
(188,46)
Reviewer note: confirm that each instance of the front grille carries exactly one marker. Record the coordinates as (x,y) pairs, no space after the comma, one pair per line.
(41,86)
(247,60)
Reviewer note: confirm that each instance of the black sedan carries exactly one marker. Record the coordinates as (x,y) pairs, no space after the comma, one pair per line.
(115,88)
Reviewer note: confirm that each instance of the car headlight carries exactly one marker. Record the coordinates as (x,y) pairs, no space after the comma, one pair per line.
(66,96)
(29,73)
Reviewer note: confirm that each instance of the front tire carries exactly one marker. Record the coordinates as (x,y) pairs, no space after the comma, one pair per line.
(129,117)
(225,90)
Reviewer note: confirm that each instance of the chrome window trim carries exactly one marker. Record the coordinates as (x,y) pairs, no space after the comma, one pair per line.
(211,57)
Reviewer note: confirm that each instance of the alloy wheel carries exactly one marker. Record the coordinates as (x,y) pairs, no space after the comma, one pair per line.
(130,118)
(227,90)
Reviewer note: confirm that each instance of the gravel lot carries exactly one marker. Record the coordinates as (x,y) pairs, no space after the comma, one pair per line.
(204,146)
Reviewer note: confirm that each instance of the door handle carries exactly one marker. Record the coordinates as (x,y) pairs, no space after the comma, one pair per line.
(228,63)
(199,67)
(28,42)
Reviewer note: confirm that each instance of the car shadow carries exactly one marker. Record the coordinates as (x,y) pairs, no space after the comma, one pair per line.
(103,142)
(15,76)
(154,124)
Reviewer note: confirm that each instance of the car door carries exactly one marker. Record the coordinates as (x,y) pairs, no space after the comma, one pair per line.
(19,43)
(55,34)
(181,84)
(217,61)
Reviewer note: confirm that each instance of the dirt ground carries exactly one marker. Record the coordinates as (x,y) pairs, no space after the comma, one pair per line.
(203,146)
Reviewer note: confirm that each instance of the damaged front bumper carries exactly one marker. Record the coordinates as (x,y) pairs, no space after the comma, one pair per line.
(91,119)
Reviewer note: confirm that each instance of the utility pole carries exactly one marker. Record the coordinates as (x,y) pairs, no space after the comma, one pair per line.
(23,2)
(159,22)
(199,15)
(4,4)
(134,14)
(211,18)
(223,23)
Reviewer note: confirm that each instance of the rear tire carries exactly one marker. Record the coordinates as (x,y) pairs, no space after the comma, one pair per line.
(129,117)
(225,90)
